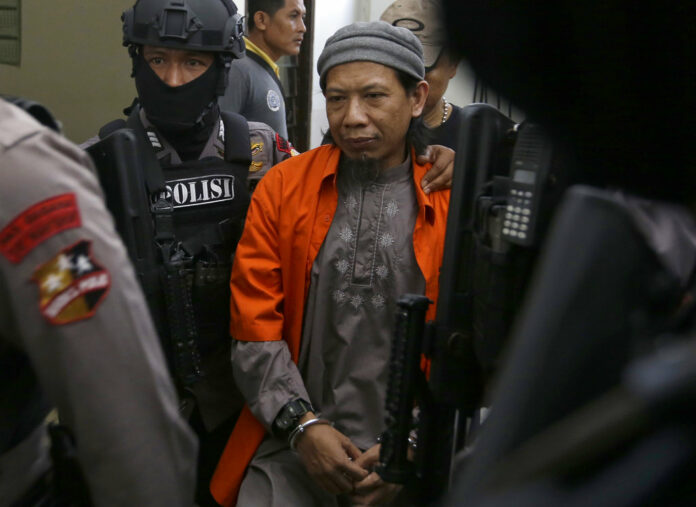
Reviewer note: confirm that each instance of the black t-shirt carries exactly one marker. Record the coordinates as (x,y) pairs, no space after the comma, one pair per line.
(447,133)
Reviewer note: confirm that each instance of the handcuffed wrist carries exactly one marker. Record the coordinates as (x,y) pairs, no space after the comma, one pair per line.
(302,427)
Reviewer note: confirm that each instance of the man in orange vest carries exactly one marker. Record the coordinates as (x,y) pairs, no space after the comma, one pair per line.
(333,238)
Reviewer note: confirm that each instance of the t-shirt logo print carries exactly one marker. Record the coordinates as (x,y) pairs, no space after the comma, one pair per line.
(273,100)
(71,285)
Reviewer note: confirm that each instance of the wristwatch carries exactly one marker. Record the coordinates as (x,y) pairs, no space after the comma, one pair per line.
(289,416)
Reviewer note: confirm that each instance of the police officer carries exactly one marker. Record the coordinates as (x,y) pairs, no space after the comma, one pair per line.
(75,334)
(208,162)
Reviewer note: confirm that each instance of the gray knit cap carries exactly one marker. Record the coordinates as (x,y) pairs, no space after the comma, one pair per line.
(376,41)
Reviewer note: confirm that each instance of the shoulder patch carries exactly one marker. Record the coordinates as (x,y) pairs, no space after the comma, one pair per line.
(154,140)
(273,100)
(285,146)
(38,223)
(256,150)
(72,285)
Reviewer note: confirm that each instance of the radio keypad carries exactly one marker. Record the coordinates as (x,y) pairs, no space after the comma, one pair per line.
(517,214)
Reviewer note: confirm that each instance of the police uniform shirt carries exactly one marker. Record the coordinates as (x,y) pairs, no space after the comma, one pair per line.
(69,302)
(253,91)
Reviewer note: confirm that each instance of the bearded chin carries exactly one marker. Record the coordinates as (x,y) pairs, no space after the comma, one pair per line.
(363,168)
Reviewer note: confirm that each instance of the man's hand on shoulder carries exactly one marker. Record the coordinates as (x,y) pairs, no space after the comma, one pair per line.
(372,490)
(330,458)
(439,177)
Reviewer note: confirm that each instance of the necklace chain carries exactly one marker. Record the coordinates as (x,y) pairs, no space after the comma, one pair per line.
(445,113)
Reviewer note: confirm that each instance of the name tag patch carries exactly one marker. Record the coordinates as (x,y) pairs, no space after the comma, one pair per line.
(72,285)
(38,223)
(200,191)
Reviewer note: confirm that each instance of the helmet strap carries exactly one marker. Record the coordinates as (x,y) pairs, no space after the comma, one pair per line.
(225,61)
(133,52)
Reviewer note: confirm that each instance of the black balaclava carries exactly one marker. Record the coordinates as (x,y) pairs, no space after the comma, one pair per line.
(179,108)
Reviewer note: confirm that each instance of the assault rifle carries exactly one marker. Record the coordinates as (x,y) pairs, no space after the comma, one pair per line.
(130,176)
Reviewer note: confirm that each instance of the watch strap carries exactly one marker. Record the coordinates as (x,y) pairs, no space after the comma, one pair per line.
(289,416)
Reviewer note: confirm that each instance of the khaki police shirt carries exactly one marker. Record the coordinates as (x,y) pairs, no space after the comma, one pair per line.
(70,301)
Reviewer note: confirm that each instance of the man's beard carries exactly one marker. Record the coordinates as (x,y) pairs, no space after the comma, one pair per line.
(364,169)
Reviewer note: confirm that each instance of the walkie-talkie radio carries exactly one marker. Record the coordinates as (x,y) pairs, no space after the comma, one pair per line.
(529,168)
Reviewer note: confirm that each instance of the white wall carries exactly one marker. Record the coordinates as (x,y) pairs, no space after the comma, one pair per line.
(329,16)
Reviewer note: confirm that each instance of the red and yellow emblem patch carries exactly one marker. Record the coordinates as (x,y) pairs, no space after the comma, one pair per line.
(38,223)
(285,146)
(71,285)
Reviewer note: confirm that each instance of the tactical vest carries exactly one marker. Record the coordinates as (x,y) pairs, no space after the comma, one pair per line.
(198,209)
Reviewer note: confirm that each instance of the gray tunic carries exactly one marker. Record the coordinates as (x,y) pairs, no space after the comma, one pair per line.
(366,263)
(255,94)
(70,305)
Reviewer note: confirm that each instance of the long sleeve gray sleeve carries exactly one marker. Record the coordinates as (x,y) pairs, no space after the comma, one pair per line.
(267,377)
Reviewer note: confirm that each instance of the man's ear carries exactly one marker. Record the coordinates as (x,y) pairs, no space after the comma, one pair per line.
(453,69)
(261,20)
(451,62)
(454,65)
(418,98)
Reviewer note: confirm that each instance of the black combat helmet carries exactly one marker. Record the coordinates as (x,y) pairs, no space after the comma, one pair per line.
(212,26)
(194,25)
